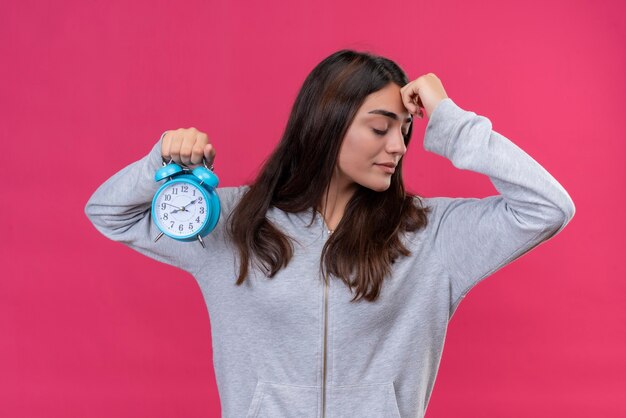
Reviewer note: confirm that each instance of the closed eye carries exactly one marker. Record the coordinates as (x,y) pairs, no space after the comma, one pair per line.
(383,133)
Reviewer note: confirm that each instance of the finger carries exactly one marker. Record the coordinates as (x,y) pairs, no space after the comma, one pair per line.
(409,98)
(419,101)
(411,106)
(166,140)
(209,154)
(175,144)
(198,153)
(186,148)
(197,150)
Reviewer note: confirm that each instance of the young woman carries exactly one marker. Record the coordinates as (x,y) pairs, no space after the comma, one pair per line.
(329,286)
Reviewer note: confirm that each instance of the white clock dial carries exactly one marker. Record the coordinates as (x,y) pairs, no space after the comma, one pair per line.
(181,209)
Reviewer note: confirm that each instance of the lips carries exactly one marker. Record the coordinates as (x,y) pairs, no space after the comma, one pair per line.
(387,168)
(392,165)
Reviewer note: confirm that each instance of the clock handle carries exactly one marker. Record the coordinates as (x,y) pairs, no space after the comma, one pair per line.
(205,166)
(187,168)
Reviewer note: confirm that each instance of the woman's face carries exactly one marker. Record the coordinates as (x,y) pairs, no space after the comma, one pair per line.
(373,139)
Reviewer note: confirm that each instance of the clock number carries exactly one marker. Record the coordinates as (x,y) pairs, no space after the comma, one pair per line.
(180,227)
(174,190)
(185,188)
(172,224)
(198,219)
(200,200)
(201,210)
(165,216)
(190,226)
(194,192)
(163,206)
(168,197)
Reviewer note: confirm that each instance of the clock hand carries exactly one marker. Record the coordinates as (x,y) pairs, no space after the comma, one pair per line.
(184,208)
(177,208)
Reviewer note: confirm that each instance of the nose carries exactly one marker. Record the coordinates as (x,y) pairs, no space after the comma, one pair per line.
(395,143)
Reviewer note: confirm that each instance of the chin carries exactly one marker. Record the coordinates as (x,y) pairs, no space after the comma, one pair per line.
(380,187)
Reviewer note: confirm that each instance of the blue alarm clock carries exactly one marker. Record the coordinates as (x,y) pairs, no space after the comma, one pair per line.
(186,207)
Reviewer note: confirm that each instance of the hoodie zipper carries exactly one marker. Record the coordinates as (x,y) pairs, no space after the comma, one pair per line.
(325,338)
(325,325)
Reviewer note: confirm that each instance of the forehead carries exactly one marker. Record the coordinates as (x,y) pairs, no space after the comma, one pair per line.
(385,103)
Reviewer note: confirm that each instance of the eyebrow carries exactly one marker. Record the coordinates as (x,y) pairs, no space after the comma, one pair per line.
(389,114)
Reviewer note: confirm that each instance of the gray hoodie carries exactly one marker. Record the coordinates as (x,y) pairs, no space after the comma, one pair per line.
(293,347)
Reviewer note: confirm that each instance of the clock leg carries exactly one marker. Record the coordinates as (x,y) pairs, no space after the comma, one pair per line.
(157,238)
(201,242)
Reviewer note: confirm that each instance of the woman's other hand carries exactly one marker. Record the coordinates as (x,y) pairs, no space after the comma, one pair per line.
(425,92)
(187,147)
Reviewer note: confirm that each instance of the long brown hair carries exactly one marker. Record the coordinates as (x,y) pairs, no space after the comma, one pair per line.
(367,239)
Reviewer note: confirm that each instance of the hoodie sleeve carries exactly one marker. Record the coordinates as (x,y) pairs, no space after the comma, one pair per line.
(476,237)
(120,209)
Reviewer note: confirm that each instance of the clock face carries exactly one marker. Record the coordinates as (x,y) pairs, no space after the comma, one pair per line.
(180,209)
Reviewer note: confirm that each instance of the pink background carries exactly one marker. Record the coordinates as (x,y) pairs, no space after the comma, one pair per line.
(90,328)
